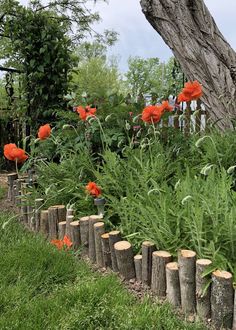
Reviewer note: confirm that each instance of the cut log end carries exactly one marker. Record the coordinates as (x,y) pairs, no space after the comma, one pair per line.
(187,253)
(148,243)
(172,266)
(98,225)
(204,262)
(114,232)
(122,245)
(138,257)
(222,274)
(74,223)
(163,254)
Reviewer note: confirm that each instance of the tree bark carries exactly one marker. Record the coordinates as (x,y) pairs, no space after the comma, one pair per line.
(188,28)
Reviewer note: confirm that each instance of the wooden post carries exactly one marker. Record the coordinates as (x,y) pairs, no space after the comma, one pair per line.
(38,206)
(159,261)
(24,214)
(187,269)
(30,211)
(222,295)
(75,234)
(44,225)
(125,259)
(56,214)
(138,267)
(69,212)
(147,249)
(61,229)
(84,234)
(61,211)
(114,237)
(53,222)
(203,300)
(69,219)
(172,284)
(106,250)
(234,319)
(92,252)
(99,229)
(10,178)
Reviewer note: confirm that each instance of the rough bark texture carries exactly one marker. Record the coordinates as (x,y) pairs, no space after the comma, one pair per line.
(188,28)
(69,212)
(159,261)
(92,252)
(84,234)
(203,298)
(10,178)
(147,249)
(38,206)
(234,320)
(172,284)
(138,267)
(61,229)
(125,259)
(106,250)
(187,269)
(44,226)
(222,296)
(114,237)
(99,229)
(75,234)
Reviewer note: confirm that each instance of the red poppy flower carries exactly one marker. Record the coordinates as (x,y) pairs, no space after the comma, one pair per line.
(44,132)
(67,241)
(93,189)
(192,91)
(58,243)
(11,152)
(152,114)
(84,113)
(166,106)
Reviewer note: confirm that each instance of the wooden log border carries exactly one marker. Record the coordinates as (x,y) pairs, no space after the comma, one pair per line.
(180,281)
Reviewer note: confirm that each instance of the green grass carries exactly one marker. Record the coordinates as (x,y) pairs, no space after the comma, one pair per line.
(42,288)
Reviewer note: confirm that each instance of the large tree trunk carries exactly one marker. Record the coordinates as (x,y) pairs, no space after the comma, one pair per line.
(188,28)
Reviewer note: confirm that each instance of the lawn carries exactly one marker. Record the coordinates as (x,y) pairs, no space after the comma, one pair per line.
(43,288)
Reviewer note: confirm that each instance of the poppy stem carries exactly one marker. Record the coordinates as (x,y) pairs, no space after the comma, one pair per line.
(17,168)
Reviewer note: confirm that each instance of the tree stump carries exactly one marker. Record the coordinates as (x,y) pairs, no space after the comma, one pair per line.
(69,212)
(53,222)
(92,252)
(138,267)
(84,234)
(203,300)
(10,179)
(38,206)
(44,225)
(159,261)
(187,270)
(114,237)
(61,229)
(147,249)
(69,219)
(172,284)
(234,319)
(56,214)
(75,234)
(125,259)
(106,250)
(99,229)
(222,295)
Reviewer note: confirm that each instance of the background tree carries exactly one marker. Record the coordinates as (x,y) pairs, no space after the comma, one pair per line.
(152,77)
(190,31)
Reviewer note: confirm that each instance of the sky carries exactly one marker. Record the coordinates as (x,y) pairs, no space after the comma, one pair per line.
(138,38)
